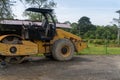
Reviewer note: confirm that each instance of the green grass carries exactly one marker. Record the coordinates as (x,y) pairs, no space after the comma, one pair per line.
(101,50)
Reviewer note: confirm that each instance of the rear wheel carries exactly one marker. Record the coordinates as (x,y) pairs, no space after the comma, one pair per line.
(63,49)
(12,40)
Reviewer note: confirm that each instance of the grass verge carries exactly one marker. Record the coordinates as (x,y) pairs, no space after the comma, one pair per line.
(100,50)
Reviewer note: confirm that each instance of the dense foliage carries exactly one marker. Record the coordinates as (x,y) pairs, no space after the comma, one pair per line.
(87,30)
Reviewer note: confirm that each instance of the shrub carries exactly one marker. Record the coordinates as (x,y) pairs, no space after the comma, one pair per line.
(99,42)
(91,41)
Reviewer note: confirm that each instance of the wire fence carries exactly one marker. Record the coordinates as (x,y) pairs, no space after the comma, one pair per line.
(101,49)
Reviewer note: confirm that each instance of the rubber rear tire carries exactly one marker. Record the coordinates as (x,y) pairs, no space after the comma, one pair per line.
(63,50)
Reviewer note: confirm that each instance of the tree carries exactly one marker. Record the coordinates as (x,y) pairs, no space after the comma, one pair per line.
(99,32)
(67,22)
(38,4)
(5,9)
(106,32)
(89,35)
(85,25)
(74,28)
(114,32)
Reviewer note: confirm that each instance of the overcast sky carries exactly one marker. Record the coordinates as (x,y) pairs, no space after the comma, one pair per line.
(101,12)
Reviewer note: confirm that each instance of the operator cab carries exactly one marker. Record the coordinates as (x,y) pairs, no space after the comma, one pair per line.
(46,31)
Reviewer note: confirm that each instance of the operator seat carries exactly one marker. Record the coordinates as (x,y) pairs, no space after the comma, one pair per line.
(46,27)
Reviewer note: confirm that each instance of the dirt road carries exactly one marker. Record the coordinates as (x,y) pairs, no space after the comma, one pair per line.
(87,67)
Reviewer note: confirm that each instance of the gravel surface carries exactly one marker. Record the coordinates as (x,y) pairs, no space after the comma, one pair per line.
(86,67)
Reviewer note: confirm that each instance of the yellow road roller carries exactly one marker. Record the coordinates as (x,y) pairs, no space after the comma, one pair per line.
(23,38)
